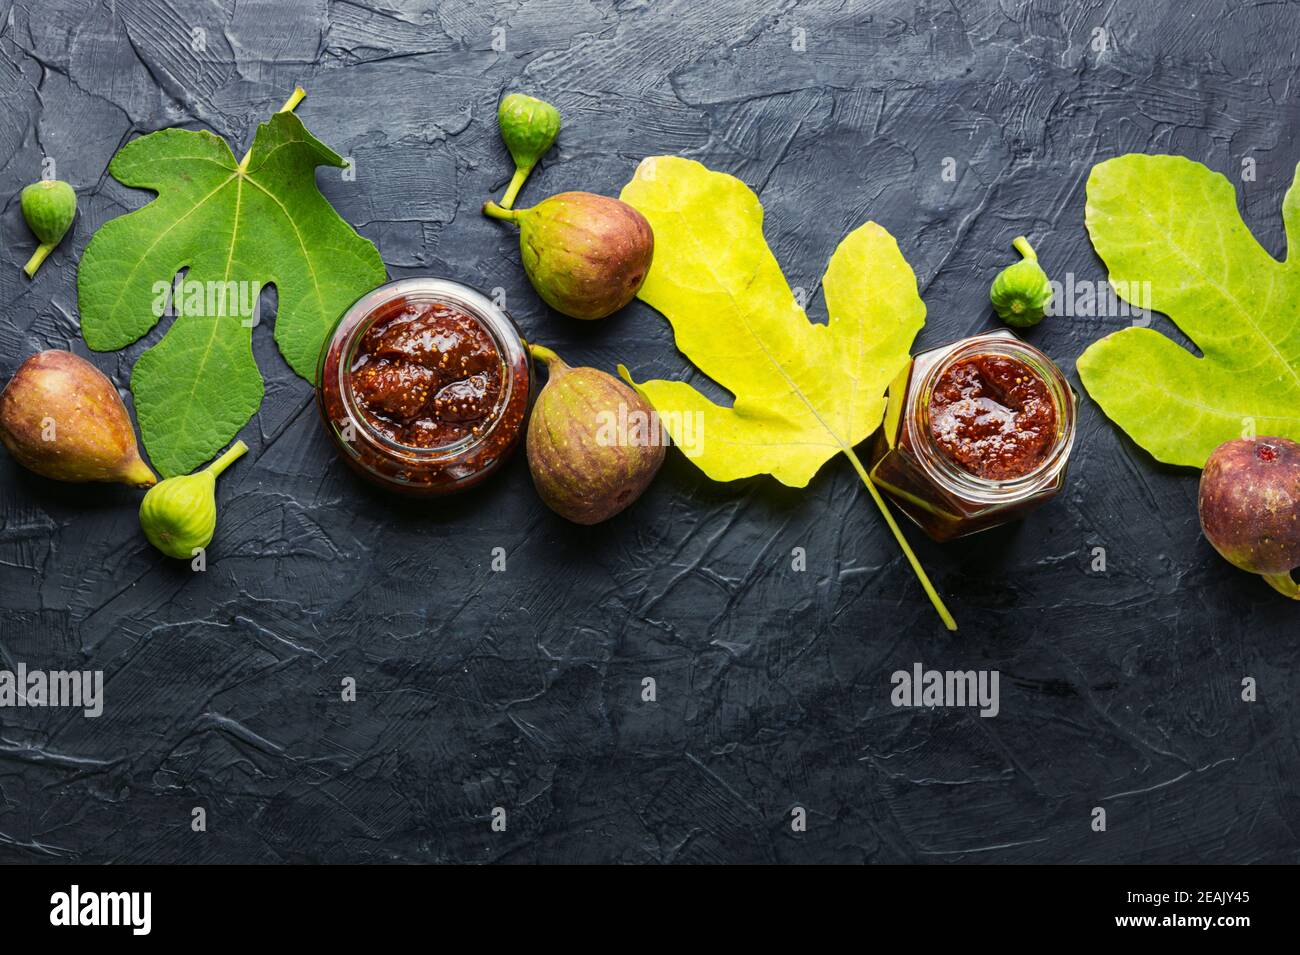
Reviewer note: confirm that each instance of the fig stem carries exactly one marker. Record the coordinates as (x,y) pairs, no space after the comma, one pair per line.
(1024,248)
(289,106)
(516,183)
(553,361)
(1283,584)
(233,454)
(917,569)
(495,211)
(34,263)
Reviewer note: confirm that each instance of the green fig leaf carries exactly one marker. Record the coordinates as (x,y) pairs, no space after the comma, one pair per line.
(1168,228)
(803,392)
(254,224)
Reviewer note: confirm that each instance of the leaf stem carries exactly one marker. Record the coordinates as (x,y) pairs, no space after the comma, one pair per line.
(34,263)
(1024,248)
(233,454)
(917,569)
(289,106)
(516,183)
(492,210)
(296,97)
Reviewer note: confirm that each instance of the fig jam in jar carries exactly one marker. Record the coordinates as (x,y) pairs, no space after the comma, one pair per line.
(977,433)
(423,385)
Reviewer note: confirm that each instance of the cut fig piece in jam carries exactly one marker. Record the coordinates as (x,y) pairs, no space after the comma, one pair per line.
(467,400)
(436,336)
(426,375)
(433,433)
(397,390)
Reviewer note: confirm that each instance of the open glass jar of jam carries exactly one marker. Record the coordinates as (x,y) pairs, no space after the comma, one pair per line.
(423,386)
(977,433)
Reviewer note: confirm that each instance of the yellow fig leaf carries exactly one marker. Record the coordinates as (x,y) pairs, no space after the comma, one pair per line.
(1172,239)
(803,392)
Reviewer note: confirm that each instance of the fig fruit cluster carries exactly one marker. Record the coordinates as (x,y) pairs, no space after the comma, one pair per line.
(587,255)
(61,418)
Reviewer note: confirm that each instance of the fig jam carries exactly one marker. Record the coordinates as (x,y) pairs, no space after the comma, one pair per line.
(426,374)
(976,434)
(424,386)
(993,416)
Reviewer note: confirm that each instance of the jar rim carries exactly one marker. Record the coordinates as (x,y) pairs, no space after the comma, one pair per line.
(361,316)
(956,479)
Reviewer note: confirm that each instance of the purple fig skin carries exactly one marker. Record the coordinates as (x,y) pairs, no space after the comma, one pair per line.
(577,475)
(1249,504)
(586,255)
(91,439)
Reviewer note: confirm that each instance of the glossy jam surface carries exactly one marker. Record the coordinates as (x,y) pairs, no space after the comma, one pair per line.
(424,386)
(993,416)
(426,375)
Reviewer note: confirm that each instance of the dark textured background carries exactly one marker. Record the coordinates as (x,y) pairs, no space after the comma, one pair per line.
(522,689)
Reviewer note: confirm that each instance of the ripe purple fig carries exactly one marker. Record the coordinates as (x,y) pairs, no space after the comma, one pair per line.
(587,255)
(1250,507)
(62,418)
(594,444)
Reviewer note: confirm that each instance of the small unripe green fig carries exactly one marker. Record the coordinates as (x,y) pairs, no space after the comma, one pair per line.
(1021,292)
(49,206)
(62,418)
(528,127)
(594,444)
(179,515)
(586,255)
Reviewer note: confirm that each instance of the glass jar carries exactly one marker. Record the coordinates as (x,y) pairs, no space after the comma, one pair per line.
(944,497)
(394,408)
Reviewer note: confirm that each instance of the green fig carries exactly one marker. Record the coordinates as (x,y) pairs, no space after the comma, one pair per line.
(586,255)
(1021,292)
(179,516)
(49,206)
(528,127)
(594,444)
(60,417)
